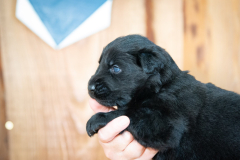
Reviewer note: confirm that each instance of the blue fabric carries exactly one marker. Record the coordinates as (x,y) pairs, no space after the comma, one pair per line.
(61,17)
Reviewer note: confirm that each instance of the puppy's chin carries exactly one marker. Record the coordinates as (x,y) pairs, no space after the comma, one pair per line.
(109,101)
(106,103)
(103,99)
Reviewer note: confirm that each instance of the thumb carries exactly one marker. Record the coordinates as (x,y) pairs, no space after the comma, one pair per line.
(113,128)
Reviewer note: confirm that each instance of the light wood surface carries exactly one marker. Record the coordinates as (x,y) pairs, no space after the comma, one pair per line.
(45,90)
(212,41)
(168,27)
(3,131)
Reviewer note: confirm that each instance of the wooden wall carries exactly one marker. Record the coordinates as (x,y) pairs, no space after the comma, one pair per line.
(212,41)
(44,91)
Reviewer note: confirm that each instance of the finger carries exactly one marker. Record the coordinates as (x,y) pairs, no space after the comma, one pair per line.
(113,128)
(119,143)
(133,150)
(96,107)
(148,154)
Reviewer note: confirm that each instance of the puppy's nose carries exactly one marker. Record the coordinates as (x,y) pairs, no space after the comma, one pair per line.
(91,87)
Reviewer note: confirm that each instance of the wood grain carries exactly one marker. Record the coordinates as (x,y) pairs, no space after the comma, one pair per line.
(212,41)
(196,39)
(149,20)
(168,27)
(46,89)
(3,118)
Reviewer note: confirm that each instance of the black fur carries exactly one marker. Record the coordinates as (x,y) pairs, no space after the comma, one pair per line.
(169,109)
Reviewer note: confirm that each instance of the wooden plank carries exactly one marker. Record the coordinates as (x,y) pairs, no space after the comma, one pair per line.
(195,39)
(149,20)
(212,40)
(46,93)
(224,36)
(3,118)
(168,27)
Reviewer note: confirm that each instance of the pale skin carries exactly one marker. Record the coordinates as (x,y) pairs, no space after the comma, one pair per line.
(120,146)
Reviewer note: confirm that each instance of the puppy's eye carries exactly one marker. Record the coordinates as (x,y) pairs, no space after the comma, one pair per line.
(115,69)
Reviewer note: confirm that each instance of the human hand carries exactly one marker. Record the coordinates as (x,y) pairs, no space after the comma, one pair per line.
(120,146)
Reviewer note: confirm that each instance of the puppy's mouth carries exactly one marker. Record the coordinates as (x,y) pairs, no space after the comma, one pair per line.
(106,103)
(103,99)
(103,95)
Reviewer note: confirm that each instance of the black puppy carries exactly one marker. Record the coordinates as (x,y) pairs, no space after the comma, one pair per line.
(169,109)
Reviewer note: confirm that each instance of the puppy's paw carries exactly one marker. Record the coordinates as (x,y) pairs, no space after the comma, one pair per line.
(91,129)
(95,123)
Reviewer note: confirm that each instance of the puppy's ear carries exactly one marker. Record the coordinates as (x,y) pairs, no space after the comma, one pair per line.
(150,62)
(152,65)
(158,64)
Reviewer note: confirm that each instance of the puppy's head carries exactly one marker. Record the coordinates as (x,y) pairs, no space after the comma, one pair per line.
(129,65)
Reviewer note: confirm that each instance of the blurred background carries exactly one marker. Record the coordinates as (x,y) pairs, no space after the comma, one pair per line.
(43,91)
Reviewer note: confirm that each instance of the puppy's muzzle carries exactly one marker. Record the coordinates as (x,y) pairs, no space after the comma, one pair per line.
(98,90)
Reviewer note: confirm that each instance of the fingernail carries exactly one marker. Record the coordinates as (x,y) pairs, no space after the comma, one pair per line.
(123,121)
